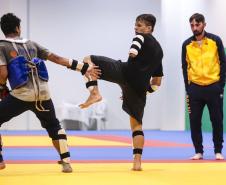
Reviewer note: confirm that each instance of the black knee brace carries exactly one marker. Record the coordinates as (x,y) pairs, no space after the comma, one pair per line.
(60,137)
(138,151)
(53,132)
(137,133)
(0,143)
(1,158)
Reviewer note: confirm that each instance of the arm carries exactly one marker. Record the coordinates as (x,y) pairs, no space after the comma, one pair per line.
(70,63)
(84,68)
(58,60)
(44,54)
(3,74)
(155,83)
(184,66)
(137,43)
(4,91)
(222,59)
(156,80)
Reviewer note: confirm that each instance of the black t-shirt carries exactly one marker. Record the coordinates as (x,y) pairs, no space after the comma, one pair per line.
(146,64)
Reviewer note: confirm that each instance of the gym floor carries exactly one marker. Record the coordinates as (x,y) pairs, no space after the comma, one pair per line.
(104,157)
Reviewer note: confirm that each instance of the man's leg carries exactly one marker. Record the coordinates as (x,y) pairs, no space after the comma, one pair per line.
(9,108)
(215,106)
(2,164)
(195,115)
(111,71)
(138,143)
(91,85)
(60,143)
(59,139)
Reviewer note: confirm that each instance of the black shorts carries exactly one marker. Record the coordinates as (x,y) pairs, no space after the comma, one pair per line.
(11,107)
(113,71)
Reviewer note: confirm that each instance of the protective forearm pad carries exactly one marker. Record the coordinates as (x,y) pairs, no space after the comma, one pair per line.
(74,66)
(84,68)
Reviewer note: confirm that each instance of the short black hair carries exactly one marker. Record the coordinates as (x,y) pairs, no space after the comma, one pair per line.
(197,17)
(9,22)
(148,19)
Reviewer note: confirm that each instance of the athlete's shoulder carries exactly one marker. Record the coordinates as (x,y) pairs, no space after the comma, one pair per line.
(140,37)
(212,36)
(188,40)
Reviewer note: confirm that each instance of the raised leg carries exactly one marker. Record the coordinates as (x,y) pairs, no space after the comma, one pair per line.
(92,86)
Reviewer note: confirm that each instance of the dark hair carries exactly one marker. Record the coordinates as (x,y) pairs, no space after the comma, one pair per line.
(197,17)
(148,19)
(9,22)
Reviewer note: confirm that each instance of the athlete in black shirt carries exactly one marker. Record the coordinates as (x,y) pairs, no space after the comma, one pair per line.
(141,73)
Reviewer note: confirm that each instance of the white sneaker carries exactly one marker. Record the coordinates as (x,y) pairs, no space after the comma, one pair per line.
(197,156)
(219,156)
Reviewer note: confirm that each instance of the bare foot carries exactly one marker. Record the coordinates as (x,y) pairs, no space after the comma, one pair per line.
(219,156)
(137,164)
(93,98)
(2,165)
(197,156)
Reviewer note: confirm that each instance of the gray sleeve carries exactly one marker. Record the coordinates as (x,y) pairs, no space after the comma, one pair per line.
(2,58)
(42,52)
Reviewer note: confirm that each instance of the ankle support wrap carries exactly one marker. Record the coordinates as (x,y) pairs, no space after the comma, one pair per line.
(64,155)
(91,83)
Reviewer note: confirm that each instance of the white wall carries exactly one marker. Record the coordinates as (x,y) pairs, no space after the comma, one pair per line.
(76,28)
(176,28)
(215,18)
(20,9)
(83,27)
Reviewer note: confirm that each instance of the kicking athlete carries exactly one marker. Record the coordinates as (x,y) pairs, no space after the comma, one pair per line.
(141,73)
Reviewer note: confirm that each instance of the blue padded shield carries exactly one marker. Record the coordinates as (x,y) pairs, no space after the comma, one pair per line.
(18,72)
(41,67)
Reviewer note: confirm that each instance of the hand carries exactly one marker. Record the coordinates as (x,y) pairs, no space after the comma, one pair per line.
(4,91)
(152,88)
(93,71)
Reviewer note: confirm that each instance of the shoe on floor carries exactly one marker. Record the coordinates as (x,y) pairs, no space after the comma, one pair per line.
(66,167)
(219,156)
(197,156)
